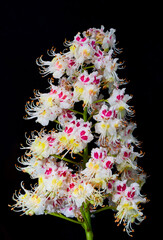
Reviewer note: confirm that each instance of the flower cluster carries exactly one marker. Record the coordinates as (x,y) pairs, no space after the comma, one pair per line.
(108,172)
(128,198)
(49,105)
(74,137)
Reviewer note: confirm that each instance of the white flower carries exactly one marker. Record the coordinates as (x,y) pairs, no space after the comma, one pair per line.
(128,198)
(81,192)
(129,213)
(42,145)
(53,183)
(95,33)
(120,187)
(87,88)
(134,175)
(90,94)
(92,78)
(109,39)
(118,100)
(49,105)
(126,134)
(126,158)
(68,211)
(44,110)
(87,93)
(110,64)
(81,49)
(57,66)
(108,162)
(78,91)
(108,128)
(131,193)
(39,147)
(92,167)
(33,166)
(99,153)
(75,136)
(98,58)
(66,116)
(32,202)
(54,179)
(84,52)
(72,66)
(98,168)
(105,113)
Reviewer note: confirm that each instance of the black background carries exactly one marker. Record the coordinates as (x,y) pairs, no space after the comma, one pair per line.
(27,30)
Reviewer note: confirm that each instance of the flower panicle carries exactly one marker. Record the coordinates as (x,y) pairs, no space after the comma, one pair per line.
(86,104)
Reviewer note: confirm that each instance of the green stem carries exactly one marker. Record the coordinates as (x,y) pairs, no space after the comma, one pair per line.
(56,121)
(90,117)
(92,114)
(93,125)
(85,153)
(65,159)
(103,209)
(89,67)
(76,111)
(63,217)
(80,154)
(87,214)
(101,100)
(89,234)
(85,114)
(87,221)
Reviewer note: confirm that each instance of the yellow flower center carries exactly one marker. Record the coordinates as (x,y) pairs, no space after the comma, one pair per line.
(36,199)
(85,52)
(93,166)
(91,92)
(73,49)
(63,139)
(43,113)
(79,90)
(121,108)
(79,189)
(41,145)
(103,125)
(50,100)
